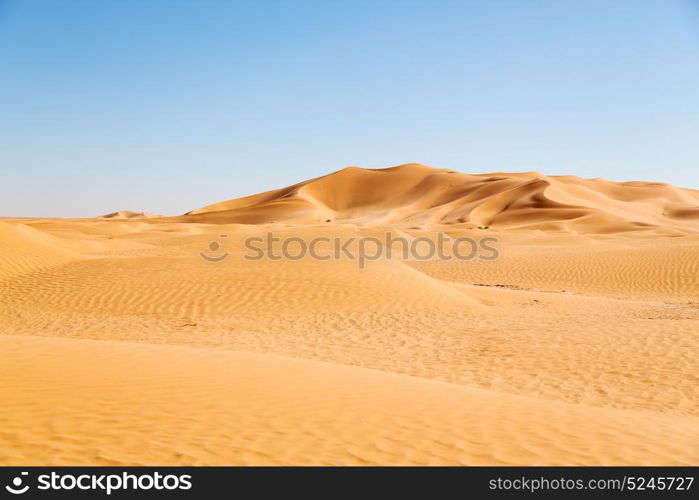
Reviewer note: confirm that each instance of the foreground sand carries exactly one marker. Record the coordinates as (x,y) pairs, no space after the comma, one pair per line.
(117,403)
(119,344)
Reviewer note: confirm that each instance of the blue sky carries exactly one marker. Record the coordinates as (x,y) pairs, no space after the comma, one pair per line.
(165,106)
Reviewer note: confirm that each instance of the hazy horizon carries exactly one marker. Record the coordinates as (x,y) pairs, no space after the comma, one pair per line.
(169,106)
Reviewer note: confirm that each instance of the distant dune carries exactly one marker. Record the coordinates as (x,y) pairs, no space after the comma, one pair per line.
(415,194)
(128,214)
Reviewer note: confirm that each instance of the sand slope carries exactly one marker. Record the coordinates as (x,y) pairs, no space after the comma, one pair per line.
(123,403)
(24,249)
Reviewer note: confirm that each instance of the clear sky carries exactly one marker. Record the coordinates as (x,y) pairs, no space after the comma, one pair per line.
(166,106)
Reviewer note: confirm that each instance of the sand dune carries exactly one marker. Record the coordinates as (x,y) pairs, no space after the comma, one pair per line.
(24,249)
(121,344)
(417,194)
(128,214)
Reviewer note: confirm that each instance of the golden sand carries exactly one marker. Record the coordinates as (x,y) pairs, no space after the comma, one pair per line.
(120,344)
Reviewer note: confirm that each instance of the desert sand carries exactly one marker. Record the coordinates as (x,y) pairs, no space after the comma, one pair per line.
(121,345)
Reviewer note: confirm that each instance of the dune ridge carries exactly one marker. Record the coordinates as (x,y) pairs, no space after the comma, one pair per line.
(415,194)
